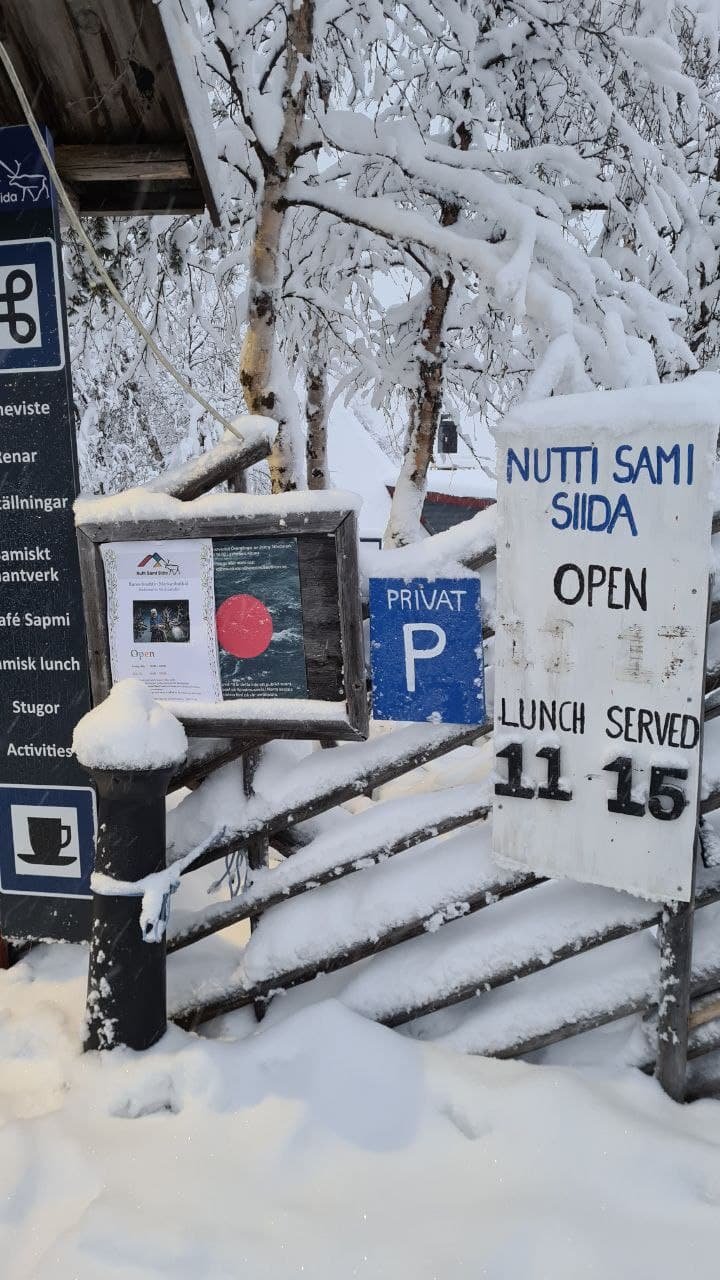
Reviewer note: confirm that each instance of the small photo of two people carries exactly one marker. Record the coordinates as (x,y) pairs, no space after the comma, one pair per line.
(161,621)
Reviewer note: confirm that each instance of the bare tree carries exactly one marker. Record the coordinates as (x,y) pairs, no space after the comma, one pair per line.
(426,400)
(289,60)
(316,408)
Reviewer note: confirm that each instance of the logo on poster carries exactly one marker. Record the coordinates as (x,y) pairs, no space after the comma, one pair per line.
(153,565)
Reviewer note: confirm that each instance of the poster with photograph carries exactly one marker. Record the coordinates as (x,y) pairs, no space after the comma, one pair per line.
(259,618)
(161,617)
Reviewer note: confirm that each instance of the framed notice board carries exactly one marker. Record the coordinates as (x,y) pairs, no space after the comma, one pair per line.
(245,624)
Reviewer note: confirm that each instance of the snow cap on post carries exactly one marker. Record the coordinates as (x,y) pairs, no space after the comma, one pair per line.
(129,731)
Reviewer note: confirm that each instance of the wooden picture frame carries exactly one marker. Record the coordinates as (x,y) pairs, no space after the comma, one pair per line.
(328,565)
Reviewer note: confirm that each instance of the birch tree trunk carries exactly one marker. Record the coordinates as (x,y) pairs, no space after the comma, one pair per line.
(316,412)
(425,405)
(261,375)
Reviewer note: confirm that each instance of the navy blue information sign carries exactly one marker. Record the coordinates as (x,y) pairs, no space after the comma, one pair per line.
(426,650)
(46,805)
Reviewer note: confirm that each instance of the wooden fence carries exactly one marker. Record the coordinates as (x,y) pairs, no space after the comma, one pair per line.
(454,956)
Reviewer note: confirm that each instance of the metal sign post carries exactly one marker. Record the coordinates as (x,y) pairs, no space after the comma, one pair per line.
(47,810)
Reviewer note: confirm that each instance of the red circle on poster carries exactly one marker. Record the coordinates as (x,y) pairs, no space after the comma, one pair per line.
(244,626)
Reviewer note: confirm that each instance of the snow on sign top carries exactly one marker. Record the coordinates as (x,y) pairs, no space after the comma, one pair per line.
(129,730)
(140,504)
(604,521)
(695,402)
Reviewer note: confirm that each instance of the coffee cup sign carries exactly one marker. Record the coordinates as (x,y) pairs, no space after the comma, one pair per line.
(48,836)
(604,522)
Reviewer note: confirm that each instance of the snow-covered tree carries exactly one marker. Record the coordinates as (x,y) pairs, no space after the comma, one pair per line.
(476,199)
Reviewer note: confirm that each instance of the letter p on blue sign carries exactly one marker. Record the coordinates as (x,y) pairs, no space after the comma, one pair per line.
(426,650)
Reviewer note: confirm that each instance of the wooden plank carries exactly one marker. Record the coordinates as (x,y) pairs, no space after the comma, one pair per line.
(574,946)
(603,1016)
(262,524)
(704,1013)
(195,148)
(573,1026)
(265,722)
(376,775)
(675,937)
(100,70)
(317,562)
(201,474)
(123,162)
(105,70)
(257,855)
(480,560)
(351,626)
(92,575)
(290,841)
(225,914)
(137,199)
(200,765)
(712,680)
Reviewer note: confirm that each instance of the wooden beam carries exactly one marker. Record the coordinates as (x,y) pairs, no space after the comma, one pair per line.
(136,199)
(123,163)
(200,765)
(201,474)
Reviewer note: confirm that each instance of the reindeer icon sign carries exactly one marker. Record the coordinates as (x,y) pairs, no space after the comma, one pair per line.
(23,185)
(31,334)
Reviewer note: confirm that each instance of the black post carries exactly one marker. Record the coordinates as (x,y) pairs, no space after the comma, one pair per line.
(257,852)
(126,1001)
(676,938)
(676,943)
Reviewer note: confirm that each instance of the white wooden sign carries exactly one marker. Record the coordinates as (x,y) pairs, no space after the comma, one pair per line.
(604,524)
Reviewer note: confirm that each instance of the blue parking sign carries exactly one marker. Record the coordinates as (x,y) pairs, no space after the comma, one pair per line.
(47,840)
(31,333)
(426,650)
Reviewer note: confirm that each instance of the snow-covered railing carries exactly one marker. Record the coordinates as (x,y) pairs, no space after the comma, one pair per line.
(322,782)
(459,880)
(374,836)
(478,965)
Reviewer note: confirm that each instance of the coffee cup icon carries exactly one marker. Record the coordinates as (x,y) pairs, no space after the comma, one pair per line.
(48,837)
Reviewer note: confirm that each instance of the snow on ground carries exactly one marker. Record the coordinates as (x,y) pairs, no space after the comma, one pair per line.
(326,1147)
